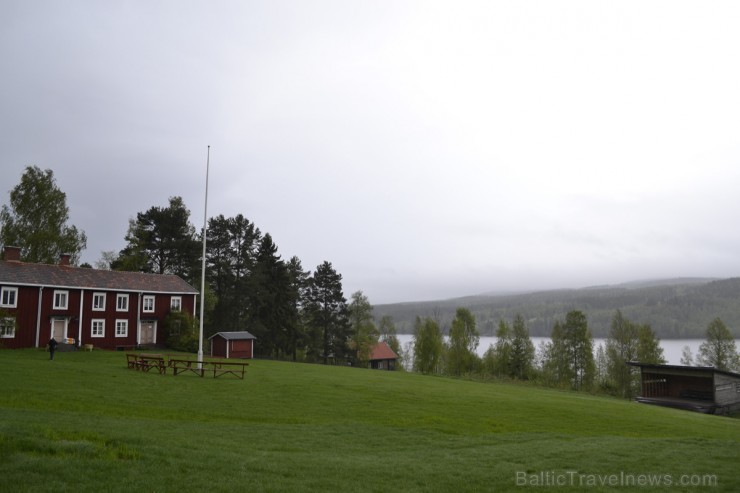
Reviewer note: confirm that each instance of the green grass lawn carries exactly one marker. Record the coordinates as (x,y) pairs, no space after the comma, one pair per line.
(84,422)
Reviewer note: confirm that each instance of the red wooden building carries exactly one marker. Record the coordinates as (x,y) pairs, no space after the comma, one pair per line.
(382,357)
(108,309)
(232,345)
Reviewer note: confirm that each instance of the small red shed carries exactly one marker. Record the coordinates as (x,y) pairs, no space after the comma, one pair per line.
(382,357)
(232,345)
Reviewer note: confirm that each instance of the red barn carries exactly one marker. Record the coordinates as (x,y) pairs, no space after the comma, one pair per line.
(232,345)
(382,357)
(108,309)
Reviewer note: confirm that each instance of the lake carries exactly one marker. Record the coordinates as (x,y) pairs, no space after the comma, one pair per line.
(672,348)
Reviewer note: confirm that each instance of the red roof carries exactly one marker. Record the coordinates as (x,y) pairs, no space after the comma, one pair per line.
(382,351)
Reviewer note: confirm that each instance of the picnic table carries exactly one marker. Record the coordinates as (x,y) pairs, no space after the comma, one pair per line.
(148,361)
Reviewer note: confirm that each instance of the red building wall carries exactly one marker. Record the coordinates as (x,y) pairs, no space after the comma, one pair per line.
(34,327)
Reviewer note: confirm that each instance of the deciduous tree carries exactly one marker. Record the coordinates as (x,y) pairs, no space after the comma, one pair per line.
(388,334)
(363,331)
(719,349)
(36,220)
(502,350)
(621,347)
(464,339)
(427,345)
(648,346)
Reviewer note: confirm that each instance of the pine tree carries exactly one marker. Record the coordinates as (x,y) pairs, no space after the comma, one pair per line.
(270,302)
(162,241)
(327,315)
(522,350)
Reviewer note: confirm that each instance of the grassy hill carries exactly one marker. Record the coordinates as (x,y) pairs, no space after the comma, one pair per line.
(85,423)
(676,309)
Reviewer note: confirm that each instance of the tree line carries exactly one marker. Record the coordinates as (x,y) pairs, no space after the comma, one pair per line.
(568,360)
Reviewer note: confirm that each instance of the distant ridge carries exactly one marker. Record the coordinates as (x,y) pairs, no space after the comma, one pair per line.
(675,308)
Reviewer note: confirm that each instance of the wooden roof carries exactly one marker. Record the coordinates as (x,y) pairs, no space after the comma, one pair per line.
(382,351)
(230,336)
(65,276)
(682,369)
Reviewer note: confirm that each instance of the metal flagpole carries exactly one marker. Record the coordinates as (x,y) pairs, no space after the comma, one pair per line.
(203,267)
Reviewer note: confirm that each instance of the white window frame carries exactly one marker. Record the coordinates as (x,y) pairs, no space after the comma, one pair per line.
(121,328)
(121,299)
(6,322)
(9,297)
(97,306)
(95,323)
(146,302)
(176,303)
(60,295)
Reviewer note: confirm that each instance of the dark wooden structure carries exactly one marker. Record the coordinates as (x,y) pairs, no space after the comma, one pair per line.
(146,362)
(382,357)
(232,345)
(102,308)
(696,388)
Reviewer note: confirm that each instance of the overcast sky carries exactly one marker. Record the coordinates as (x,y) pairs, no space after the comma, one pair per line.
(427,149)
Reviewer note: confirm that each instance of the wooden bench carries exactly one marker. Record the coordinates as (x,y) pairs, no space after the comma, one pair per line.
(184,365)
(220,368)
(132,361)
(217,368)
(698,395)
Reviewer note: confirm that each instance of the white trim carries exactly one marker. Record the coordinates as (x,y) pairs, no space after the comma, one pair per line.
(38,315)
(66,326)
(138,319)
(9,289)
(179,303)
(123,321)
(119,297)
(80,319)
(154,331)
(97,288)
(95,321)
(95,296)
(62,293)
(8,320)
(146,298)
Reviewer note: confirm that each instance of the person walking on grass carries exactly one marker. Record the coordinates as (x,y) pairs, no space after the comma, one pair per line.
(52,347)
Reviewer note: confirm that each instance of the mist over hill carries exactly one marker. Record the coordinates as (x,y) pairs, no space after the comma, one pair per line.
(674,308)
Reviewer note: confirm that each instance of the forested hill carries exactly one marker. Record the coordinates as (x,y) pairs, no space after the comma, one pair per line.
(675,309)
